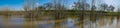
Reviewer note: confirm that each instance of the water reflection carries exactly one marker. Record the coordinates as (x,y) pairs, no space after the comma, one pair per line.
(20,22)
(70,23)
(45,23)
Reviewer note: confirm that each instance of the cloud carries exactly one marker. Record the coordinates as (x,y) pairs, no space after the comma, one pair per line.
(37,4)
(110,2)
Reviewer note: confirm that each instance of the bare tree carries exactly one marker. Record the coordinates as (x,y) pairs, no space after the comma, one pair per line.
(29,14)
(92,14)
(78,5)
(29,6)
(111,8)
(104,6)
(59,9)
(48,6)
(82,13)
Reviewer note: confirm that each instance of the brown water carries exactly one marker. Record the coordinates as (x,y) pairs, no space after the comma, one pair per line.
(21,22)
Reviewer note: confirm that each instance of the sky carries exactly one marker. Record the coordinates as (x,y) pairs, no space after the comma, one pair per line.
(18,4)
(113,2)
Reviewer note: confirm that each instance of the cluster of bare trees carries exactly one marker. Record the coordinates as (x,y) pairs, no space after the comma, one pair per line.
(59,7)
(82,4)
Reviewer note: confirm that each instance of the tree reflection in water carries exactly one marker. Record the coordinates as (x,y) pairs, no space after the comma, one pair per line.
(18,22)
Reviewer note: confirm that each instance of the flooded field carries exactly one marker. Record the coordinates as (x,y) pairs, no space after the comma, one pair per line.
(59,14)
(70,22)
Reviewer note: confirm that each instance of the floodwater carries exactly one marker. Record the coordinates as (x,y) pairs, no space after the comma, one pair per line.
(20,22)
